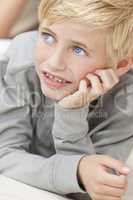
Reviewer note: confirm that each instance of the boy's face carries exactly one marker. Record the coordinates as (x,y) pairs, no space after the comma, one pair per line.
(66,52)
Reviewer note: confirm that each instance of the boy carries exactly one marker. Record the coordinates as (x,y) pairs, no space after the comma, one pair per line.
(65,104)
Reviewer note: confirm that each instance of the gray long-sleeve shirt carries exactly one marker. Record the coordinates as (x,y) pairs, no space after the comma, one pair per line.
(41,143)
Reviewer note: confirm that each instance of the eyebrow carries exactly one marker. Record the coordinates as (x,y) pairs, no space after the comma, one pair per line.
(76,43)
(48,30)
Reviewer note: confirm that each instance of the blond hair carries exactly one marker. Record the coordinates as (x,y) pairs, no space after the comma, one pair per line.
(116,15)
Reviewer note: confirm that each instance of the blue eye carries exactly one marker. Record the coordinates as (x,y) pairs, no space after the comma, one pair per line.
(49,39)
(79,51)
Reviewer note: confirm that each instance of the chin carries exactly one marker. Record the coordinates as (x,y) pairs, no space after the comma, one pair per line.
(54,94)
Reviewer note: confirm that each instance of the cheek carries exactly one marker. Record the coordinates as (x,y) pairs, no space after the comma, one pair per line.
(43,52)
(81,68)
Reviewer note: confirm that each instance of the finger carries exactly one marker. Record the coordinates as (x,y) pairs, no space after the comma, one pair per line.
(71,101)
(114,75)
(114,180)
(76,99)
(107,190)
(83,86)
(84,92)
(125,171)
(96,86)
(121,72)
(108,77)
(79,98)
(112,163)
(111,71)
(66,102)
(104,197)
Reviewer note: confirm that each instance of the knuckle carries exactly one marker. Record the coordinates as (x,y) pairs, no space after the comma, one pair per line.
(121,193)
(122,183)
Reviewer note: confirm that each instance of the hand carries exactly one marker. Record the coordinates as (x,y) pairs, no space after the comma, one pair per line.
(99,83)
(93,173)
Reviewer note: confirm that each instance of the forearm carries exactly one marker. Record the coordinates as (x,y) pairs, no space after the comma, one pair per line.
(41,172)
(10,10)
(71,131)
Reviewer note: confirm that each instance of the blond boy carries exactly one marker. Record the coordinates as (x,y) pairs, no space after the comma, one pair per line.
(65,104)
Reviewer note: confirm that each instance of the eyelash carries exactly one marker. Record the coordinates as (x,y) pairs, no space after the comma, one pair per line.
(78,47)
(73,48)
(47,34)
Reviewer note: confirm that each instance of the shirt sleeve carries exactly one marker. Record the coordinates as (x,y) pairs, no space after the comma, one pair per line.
(16,134)
(113,136)
(71,131)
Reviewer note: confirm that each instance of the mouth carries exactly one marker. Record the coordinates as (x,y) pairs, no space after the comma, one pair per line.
(55,81)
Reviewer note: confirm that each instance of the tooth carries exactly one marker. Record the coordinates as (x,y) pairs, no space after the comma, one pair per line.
(59,80)
(51,76)
(56,79)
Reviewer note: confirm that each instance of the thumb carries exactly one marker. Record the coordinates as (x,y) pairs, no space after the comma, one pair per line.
(121,71)
(116,165)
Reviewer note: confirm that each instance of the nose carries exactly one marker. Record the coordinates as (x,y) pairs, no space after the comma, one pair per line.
(57,60)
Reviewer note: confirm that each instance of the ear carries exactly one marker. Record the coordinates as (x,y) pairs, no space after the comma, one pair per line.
(124,66)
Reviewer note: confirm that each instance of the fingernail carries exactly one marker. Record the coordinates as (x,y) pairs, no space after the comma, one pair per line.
(126,169)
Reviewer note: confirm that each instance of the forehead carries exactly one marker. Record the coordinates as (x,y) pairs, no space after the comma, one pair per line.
(76,31)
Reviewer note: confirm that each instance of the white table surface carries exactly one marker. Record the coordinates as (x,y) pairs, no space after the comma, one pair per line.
(13,190)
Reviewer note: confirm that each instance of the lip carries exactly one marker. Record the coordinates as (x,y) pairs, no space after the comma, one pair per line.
(52,83)
(44,72)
